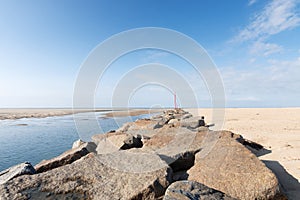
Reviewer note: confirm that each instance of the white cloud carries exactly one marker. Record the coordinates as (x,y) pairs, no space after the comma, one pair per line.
(276,84)
(251,2)
(286,72)
(277,16)
(263,48)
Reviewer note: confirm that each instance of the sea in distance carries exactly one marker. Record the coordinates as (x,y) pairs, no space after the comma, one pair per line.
(37,139)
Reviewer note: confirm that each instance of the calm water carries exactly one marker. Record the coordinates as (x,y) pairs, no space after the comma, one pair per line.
(46,138)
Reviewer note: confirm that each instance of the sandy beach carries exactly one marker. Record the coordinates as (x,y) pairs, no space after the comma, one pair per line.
(278,130)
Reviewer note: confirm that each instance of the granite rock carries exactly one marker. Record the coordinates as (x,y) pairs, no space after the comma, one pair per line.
(15,171)
(89,178)
(226,165)
(66,158)
(187,190)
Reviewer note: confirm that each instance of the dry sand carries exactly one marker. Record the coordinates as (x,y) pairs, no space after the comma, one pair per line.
(278,130)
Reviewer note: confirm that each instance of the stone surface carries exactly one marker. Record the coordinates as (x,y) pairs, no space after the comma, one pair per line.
(192,122)
(226,165)
(132,142)
(174,121)
(113,142)
(77,143)
(66,158)
(134,160)
(203,128)
(187,190)
(109,142)
(88,178)
(173,140)
(15,171)
(186,116)
(116,137)
(140,126)
(176,146)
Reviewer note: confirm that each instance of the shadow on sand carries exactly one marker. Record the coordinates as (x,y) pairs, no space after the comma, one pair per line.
(262,152)
(289,184)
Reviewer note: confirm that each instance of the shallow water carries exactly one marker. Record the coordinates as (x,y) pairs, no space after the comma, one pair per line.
(36,139)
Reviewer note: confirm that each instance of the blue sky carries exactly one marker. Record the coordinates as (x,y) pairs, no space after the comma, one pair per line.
(255,44)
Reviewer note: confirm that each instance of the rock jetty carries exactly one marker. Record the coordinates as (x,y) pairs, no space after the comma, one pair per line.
(170,156)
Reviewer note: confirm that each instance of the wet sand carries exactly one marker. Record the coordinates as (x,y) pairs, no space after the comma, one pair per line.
(18,113)
(132,112)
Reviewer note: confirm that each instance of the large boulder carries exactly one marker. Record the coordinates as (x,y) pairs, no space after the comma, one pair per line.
(132,142)
(175,122)
(187,190)
(226,165)
(103,136)
(186,116)
(15,171)
(89,178)
(140,126)
(176,146)
(192,122)
(113,142)
(66,158)
(109,142)
(77,143)
(135,160)
(169,140)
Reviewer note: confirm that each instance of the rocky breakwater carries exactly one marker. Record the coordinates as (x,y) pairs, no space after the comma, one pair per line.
(170,156)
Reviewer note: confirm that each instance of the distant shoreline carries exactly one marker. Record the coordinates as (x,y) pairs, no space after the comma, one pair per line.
(20,113)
